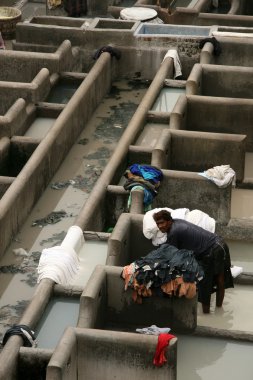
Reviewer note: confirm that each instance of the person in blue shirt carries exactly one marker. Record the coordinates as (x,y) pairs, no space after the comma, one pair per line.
(210,251)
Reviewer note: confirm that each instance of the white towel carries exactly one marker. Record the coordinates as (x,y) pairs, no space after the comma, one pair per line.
(172,53)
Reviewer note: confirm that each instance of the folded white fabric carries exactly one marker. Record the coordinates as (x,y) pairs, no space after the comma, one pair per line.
(172,53)
(151,231)
(222,175)
(236,270)
(59,264)
(153,330)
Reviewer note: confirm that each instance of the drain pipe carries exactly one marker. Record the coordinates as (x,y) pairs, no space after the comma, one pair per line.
(135,125)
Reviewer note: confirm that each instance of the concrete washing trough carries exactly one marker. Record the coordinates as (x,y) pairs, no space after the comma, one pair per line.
(104,304)
(123,354)
(153,30)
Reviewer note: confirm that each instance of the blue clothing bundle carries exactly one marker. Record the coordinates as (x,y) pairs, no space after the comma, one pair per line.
(150,173)
(146,178)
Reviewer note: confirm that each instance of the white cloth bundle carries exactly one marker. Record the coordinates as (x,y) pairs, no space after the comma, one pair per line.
(61,263)
(151,231)
(58,263)
(222,175)
(172,53)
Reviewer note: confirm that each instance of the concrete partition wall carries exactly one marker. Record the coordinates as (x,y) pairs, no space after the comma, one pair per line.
(106,305)
(97,354)
(221,81)
(199,151)
(34,91)
(35,175)
(181,189)
(127,242)
(32,363)
(19,66)
(235,53)
(12,117)
(209,114)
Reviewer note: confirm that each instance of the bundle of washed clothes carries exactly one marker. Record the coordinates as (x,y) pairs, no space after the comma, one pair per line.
(167,269)
(146,178)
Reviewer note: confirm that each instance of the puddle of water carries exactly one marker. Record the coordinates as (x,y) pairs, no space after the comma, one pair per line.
(242,203)
(167,99)
(61,93)
(236,312)
(150,134)
(40,127)
(60,313)
(208,358)
(91,254)
(241,254)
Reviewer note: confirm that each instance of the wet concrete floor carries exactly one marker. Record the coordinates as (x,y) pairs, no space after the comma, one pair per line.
(80,170)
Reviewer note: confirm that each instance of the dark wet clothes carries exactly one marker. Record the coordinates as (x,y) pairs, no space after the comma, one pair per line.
(165,264)
(216,45)
(211,252)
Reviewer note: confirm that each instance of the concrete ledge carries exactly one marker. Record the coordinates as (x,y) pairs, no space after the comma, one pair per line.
(234,335)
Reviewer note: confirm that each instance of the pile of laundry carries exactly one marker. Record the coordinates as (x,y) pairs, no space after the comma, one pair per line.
(145,177)
(198,217)
(167,269)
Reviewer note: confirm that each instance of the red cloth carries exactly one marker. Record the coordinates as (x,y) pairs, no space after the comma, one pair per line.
(162,343)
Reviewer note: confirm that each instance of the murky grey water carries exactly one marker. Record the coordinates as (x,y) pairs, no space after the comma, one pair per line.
(241,254)
(83,165)
(242,203)
(91,254)
(40,127)
(236,312)
(208,359)
(62,92)
(60,313)
(167,99)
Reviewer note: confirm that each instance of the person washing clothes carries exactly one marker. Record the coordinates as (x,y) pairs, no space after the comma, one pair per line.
(211,252)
